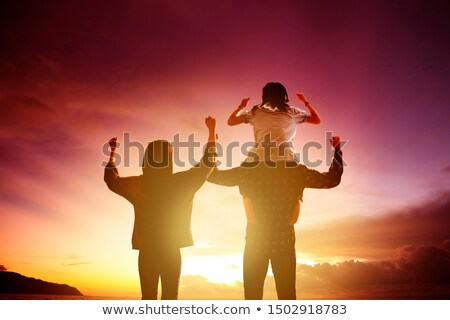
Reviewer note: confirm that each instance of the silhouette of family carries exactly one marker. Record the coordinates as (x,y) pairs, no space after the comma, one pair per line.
(271,182)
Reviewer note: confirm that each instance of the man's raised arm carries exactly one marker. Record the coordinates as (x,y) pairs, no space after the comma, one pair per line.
(330,179)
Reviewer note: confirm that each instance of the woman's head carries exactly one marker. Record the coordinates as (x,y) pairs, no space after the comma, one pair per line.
(275,93)
(158,157)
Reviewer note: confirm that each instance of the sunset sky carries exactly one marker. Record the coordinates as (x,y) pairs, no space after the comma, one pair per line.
(73,74)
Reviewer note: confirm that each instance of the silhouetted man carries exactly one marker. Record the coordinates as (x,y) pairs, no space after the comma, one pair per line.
(162,203)
(270,195)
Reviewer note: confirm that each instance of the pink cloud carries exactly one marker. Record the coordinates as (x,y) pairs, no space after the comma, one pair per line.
(417,272)
(374,237)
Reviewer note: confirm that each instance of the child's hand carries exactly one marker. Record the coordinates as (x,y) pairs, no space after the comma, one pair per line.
(210,123)
(301,98)
(244,103)
(335,142)
(113,143)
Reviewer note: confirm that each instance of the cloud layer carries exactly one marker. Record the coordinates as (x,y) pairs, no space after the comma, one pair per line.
(418,272)
(372,237)
(414,243)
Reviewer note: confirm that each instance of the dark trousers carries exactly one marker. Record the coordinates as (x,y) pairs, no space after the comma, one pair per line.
(164,263)
(256,264)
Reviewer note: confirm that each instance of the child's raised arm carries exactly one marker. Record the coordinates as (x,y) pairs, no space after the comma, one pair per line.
(314,118)
(234,119)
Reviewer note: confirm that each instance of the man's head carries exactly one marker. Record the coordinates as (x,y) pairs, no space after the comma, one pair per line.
(275,93)
(158,157)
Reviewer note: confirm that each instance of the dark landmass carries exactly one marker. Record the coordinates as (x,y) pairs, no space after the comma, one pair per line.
(15,283)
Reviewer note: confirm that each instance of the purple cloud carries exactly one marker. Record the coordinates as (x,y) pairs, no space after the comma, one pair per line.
(373,237)
(423,270)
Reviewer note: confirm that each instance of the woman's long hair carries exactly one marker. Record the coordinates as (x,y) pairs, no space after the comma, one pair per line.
(157,166)
(276,94)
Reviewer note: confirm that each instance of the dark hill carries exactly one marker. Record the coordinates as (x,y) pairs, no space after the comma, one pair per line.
(14,283)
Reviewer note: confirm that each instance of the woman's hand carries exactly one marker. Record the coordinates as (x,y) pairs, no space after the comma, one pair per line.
(113,143)
(210,123)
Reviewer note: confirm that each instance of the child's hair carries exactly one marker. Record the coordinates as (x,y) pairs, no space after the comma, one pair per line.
(276,94)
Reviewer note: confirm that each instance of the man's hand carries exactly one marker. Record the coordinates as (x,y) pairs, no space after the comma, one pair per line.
(243,104)
(335,142)
(301,98)
(210,123)
(113,143)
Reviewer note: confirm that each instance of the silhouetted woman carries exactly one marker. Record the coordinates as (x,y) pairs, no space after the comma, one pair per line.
(162,202)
